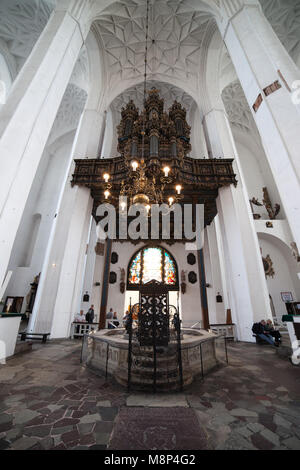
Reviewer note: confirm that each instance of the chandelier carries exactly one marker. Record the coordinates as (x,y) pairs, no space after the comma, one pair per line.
(146,182)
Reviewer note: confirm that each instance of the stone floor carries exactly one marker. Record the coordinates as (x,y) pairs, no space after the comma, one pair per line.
(48,401)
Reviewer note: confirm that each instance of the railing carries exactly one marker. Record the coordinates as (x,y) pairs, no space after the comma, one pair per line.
(108,355)
(80,329)
(225,329)
(197,325)
(99,352)
(277,320)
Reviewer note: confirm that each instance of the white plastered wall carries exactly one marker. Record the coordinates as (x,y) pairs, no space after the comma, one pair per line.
(42,200)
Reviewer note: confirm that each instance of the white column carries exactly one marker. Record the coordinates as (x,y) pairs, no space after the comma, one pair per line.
(218,282)
(58,297)
(70,280)
(89,267)
(222,263)
(27,117)
(249,299)
(97,279)
(211,300)
(260,59)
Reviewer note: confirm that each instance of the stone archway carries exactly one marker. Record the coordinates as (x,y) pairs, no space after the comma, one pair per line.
(284,270)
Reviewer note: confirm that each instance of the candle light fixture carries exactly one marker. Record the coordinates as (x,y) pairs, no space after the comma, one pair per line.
(178,188)
(166,171)
(134,165)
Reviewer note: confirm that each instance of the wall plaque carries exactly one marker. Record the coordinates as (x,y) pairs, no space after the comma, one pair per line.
(114,257)
(191,258)
(192,276)
(112,277)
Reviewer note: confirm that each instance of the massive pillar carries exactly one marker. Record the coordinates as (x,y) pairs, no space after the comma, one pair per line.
(247,285)
(28,115)
(105,283)
(60,288)
(89,266)
(267,74)
(215,277)
(98,277)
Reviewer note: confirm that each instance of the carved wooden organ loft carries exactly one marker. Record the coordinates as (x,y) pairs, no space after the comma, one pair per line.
(154,163)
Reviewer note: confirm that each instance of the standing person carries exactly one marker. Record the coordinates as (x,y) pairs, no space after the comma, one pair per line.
(110,314)
(90,314)
(109,317)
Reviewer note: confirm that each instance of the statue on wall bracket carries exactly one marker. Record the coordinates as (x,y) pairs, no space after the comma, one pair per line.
(268,266)
(30,298)
(295,251)
(183,282)
(266,202)
(122,280)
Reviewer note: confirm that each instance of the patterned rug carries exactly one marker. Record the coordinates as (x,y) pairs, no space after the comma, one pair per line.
(157,429)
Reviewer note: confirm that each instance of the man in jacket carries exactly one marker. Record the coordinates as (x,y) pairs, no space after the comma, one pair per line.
(90,314)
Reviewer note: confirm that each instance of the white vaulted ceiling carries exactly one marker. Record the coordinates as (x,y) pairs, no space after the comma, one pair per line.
(176,26)
(168,92)
(237,108)
(176,32)
(21,23)
(284,16)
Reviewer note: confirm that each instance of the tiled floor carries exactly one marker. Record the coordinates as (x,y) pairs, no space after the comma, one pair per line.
(48,401)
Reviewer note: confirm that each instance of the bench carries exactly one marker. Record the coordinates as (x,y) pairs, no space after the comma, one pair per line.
(39,336)
(260,340)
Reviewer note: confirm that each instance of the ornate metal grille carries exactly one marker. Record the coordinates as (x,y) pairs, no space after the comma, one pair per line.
(153,325)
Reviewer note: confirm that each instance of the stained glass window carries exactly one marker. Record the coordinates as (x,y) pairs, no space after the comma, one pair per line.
(135,270)
(170,270)
(152,263)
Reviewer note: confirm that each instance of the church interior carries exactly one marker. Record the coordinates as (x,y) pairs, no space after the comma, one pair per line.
(149,217)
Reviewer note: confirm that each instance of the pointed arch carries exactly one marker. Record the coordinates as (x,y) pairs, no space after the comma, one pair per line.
(152,262)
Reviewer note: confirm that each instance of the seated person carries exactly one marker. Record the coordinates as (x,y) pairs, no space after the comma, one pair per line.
(269,327)
(112,319)
(259,330)
(109,317)
(115,320)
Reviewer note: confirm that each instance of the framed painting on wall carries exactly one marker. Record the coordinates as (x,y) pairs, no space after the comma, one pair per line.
(287,296)
(13,305)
